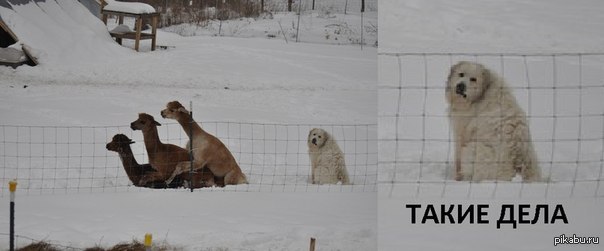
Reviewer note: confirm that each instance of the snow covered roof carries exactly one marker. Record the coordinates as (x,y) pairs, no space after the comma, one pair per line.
(134,8)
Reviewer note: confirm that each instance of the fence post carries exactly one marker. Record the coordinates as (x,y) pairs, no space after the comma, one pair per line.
(362,28)
(312,244)
(191,145)
(299,14)
(345,7)
(12,185)
(148,241)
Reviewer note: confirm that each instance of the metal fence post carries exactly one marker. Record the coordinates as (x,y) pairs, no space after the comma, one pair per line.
(191,145)
(12,185)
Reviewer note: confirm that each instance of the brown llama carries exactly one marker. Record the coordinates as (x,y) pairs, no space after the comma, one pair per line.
(208,151)
(165,157)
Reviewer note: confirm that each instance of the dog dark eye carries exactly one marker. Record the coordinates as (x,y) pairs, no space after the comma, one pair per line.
(461,74)
(473,79)
(319,136)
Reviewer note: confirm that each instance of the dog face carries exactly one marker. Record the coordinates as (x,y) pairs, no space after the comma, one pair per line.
(173,110)
(317,137)
(467,82)
(143,122)
(119,143)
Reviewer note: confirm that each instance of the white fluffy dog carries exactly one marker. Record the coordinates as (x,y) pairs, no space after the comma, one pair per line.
(492,139)
(326,158)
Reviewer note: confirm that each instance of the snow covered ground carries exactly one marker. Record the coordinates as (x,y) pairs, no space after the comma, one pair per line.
(315,27)
(566,121)
(87,88)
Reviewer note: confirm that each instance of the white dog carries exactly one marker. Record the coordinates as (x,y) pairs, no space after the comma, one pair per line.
(326,158)
(492,139)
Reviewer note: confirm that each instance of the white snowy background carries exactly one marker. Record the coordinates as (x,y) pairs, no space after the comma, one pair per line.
(569,147)
(88,83)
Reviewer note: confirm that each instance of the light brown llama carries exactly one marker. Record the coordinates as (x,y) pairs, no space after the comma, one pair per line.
(163,157)
(208,151)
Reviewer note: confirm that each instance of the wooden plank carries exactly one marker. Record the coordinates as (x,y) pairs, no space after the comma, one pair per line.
(139,26)
(9,31)
(127,14)
(131,35)
(27,50)
(154,32)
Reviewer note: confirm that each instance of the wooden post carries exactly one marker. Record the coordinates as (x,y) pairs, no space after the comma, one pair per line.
(139,26)
(289,5)
(154,31)
(312,244)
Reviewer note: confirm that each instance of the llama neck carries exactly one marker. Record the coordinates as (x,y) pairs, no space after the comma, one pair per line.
(128,161)
(152,142)
(189,125)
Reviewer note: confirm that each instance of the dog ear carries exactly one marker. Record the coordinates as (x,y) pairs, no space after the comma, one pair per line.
(131,142)
(156,123)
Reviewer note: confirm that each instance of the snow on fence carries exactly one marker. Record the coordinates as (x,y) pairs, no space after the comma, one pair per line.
(72,159)
(562,95)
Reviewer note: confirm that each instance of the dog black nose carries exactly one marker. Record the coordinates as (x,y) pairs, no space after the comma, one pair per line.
(132,126)
(460,88)
(314,141)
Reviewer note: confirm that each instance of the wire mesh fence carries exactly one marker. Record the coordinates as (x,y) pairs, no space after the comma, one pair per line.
(561,95)
(274,157)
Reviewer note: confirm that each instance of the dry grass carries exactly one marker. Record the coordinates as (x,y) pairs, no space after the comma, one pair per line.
(132,246)
(38,246)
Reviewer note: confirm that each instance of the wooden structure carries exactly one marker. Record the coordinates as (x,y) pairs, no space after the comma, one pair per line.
(137,34)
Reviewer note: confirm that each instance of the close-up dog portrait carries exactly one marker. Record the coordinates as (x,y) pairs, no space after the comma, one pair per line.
(491,133)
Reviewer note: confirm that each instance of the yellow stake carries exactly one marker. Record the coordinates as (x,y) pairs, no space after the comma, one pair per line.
(148,240)
(12,185)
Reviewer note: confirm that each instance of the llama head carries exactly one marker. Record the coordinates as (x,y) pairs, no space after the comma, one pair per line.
(119,143)
(174,110)
(144,122)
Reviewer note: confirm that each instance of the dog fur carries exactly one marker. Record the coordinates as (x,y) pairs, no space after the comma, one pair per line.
(208,151)
(492,139)
(326,158)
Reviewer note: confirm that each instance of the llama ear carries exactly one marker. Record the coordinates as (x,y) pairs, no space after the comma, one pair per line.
(183,110)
